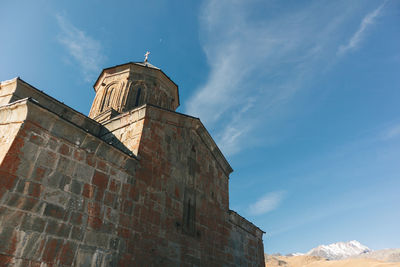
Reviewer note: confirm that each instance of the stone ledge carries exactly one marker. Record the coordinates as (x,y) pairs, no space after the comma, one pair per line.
(244,224)
(198,126)
(17,89)
(32,111)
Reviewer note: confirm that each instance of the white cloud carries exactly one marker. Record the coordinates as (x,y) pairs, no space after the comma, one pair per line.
(85,50)
(260,62)
(232,133)
(357,37)
(391,132)
(267,203)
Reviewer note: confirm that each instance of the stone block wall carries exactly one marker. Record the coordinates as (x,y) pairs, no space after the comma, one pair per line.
(67,197)
(178,158)
(149,188)
(125,131)
(245,242)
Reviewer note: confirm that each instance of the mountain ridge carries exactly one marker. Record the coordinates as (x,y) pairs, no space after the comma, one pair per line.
(339,250)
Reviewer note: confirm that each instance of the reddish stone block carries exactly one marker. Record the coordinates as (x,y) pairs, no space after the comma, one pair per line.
(128,260)
(114,185)
(125,220)
(100,179)
(64,150)
(52,249)
(131,244)
(177,193)
(10,163)
(125,190)
(17,145)
(144,214)
(154,197)
(168,203)
(7,180)
(79,155)
(90,160)
(33,189)
(36,139)
(95,223)
(127,207)
(124,232)
(39,173)
(99,194)
(134,193)
(156,218)
(94,209)
(67,253)
(136,211)
(88,191)
(102,165)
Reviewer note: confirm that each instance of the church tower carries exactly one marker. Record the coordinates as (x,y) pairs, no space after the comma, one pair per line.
(124,87)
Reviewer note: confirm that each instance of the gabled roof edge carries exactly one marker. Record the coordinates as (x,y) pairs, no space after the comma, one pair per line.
(207,139)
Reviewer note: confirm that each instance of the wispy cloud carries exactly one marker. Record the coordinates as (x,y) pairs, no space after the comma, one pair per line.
(232,133)
(357,37)
(267,203)
(85,50)
(258,64)
(391,132)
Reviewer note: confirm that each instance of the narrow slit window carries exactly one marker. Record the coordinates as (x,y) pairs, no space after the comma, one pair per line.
(189,212)
(137,97)
(188,215)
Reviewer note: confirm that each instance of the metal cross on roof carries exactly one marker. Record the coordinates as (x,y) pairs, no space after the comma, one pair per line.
(146,56)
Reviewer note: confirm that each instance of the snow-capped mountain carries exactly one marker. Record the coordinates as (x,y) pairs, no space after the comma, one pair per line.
(294,254)
(340,250)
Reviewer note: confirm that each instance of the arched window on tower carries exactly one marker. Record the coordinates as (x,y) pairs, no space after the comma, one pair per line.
(107,99)
(138,96)
(134,98)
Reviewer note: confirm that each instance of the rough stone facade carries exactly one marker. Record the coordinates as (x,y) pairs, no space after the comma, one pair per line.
(137,185)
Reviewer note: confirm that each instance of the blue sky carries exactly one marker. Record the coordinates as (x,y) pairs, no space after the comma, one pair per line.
(301,96)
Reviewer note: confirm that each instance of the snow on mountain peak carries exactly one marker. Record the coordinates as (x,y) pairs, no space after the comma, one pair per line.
(339,250)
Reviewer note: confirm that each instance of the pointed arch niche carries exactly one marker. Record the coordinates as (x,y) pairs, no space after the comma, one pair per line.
(135,96)
(109,95)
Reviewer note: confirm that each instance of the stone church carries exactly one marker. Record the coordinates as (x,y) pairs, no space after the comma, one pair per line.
(133,184)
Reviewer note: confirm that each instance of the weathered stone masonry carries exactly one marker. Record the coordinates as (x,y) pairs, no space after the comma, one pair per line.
(141,186)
